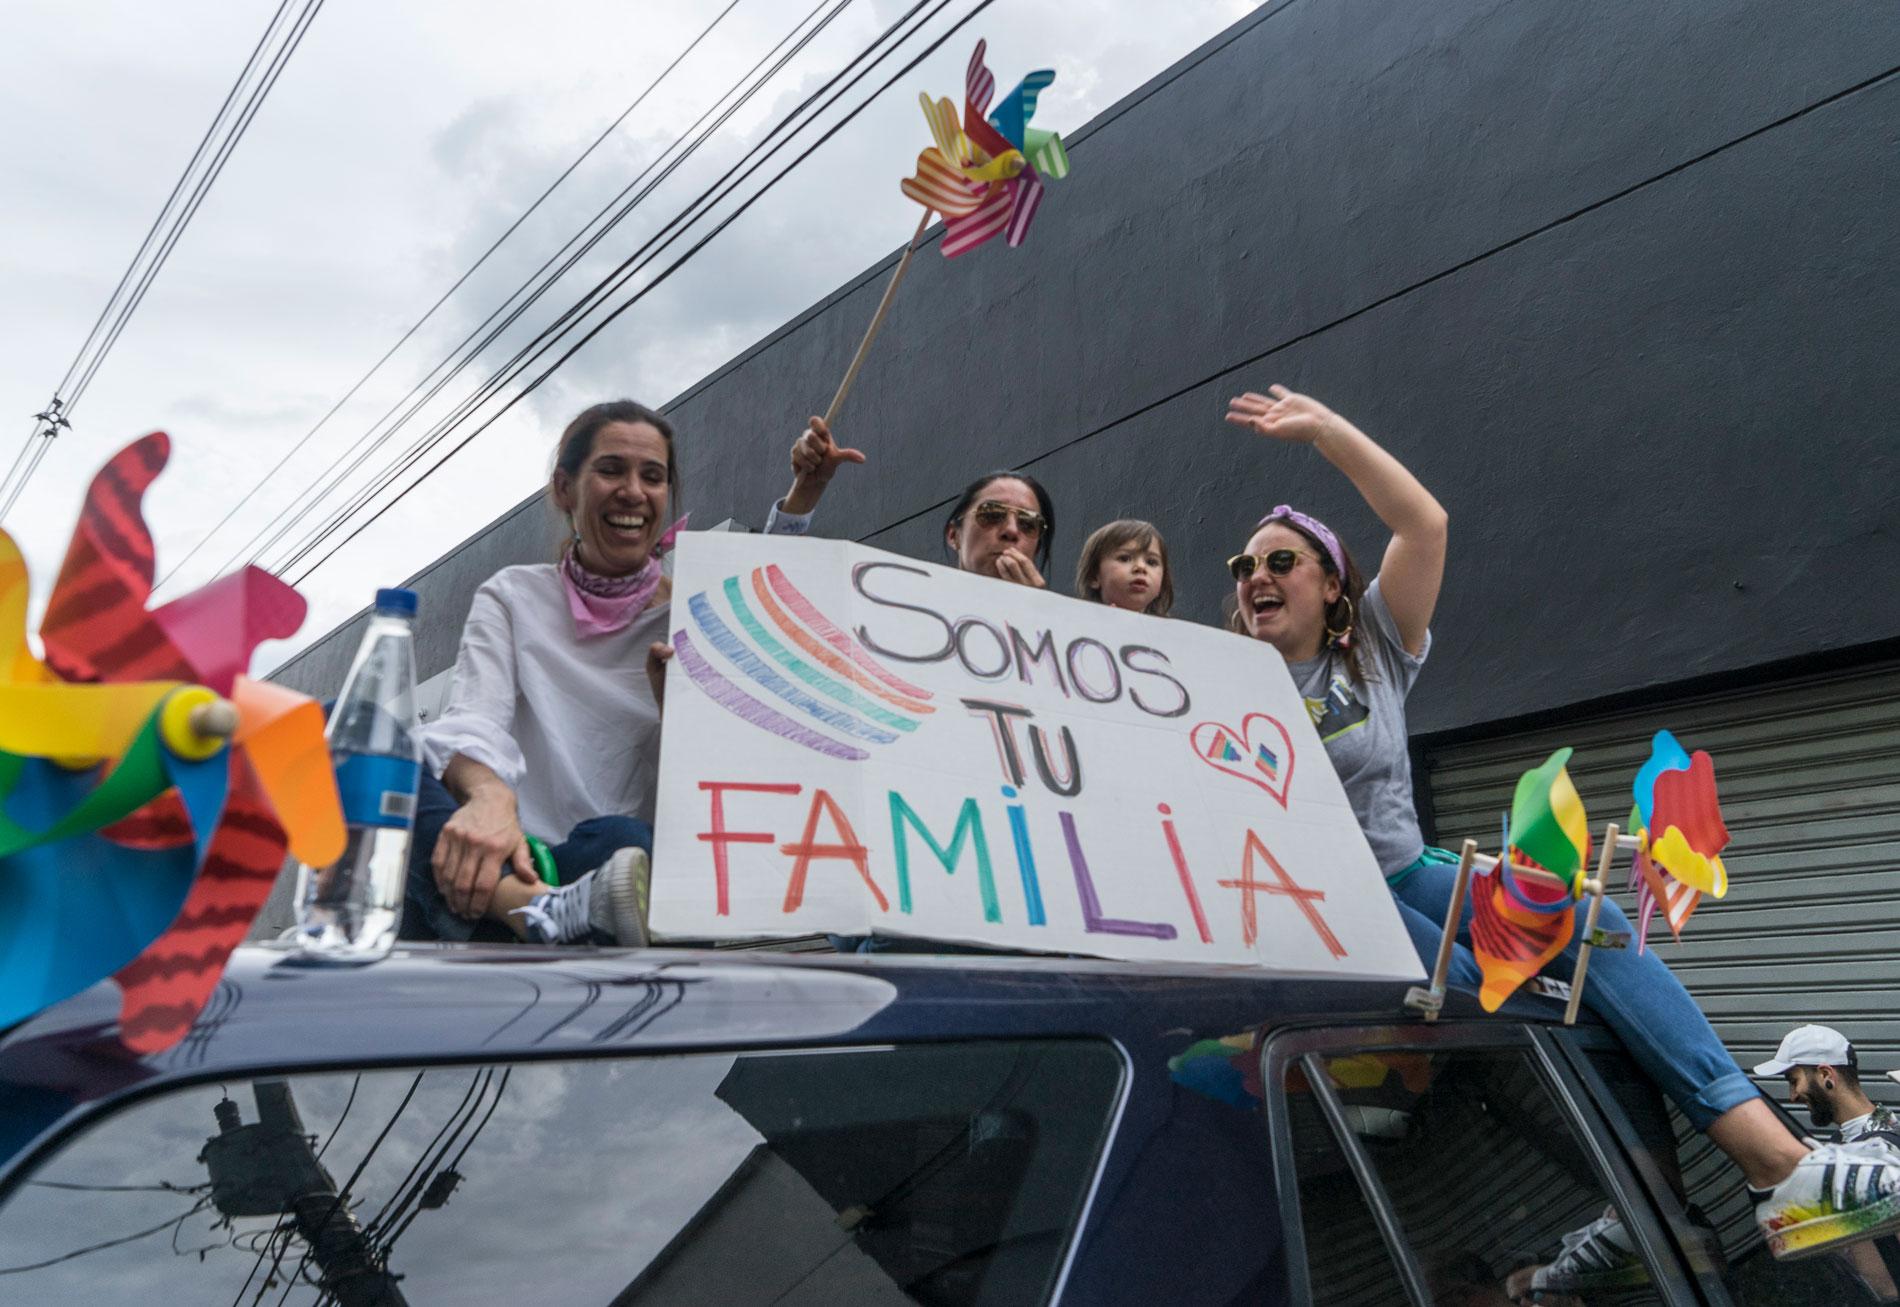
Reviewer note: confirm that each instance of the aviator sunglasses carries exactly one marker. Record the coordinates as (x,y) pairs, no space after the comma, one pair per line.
(991,512)
(1278,562)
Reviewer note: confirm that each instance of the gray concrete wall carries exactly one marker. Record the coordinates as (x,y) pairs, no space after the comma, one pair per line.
(1619,281)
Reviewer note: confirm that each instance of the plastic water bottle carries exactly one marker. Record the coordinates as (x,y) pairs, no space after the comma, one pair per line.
(350,911)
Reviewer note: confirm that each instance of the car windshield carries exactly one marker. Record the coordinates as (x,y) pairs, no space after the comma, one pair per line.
(943,1174)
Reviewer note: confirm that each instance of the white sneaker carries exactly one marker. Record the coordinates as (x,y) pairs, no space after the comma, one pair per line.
(610,900)
(561,915)
(620,897)
(1595,1259)
(1838,1194)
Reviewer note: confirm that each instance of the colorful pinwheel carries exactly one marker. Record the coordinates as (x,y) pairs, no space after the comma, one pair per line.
(977,176)
(150,787)
(1680,835)
(1515,931)
(985,175)
(1520,921)
(1549,829)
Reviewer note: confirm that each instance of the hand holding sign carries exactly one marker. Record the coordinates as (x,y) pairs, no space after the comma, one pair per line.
(659,653)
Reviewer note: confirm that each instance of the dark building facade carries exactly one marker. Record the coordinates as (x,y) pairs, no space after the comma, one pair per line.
(1620,282)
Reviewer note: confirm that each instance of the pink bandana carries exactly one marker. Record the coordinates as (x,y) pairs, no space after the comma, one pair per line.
(602,605)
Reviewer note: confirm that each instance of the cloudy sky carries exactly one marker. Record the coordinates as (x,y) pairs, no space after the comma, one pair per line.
(403,138)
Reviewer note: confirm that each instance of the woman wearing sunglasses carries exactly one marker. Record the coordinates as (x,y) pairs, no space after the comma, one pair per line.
(1354,650)
(1002,524)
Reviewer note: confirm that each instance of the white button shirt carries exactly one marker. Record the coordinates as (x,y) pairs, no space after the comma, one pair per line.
(569,723)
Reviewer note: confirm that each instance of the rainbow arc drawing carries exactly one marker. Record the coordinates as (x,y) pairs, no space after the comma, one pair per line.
(764,652)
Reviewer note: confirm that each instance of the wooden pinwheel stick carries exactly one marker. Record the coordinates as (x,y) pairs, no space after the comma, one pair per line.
(1485,862)
(1441,968)
(877,319)
(1595,889)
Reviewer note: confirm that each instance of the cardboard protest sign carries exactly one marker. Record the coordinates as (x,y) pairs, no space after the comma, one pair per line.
(864,744)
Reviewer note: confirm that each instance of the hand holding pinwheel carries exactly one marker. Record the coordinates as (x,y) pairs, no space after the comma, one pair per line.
(150,787)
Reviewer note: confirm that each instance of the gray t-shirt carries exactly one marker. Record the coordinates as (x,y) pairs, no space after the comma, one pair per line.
(1362,725)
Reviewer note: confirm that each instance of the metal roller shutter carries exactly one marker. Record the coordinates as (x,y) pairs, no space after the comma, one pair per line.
(1809,771)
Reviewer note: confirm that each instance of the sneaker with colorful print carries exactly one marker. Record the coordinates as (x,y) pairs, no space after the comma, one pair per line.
(1837,1194)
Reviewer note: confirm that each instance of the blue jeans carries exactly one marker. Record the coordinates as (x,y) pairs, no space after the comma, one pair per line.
(1634,993)
(426,914)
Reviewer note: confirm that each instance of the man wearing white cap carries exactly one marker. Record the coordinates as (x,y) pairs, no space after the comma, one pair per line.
(1823,1075)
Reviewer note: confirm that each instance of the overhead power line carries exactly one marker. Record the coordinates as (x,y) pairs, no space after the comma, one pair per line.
(233,119)
(618,278)
(536,285)
(474,267)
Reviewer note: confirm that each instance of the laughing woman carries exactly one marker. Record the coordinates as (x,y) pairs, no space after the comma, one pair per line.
(533,821)
(1354,648)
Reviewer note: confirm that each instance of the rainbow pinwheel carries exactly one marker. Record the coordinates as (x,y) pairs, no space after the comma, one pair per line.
(985,174)
(1680,835)
(150,788)
(1517,927)
(1549,828)
(1519,923)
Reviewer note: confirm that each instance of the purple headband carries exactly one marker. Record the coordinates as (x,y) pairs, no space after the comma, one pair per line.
(1313,527)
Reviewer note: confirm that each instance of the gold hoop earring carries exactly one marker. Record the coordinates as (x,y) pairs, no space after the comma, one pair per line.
(1343,636)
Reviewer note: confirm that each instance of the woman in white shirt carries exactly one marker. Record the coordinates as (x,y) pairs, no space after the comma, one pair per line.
(552,729)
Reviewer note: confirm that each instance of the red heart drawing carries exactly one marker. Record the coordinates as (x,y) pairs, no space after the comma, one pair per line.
(1254,760)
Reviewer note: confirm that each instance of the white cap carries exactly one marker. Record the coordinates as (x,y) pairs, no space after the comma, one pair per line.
(1808,1046)
(1893,1075)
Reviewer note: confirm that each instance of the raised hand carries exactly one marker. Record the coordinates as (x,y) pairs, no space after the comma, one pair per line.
(1414,563)
(1282,414)
(816,456)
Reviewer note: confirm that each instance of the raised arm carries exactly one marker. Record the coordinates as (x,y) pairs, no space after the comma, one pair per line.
(816,458)
(1414,564)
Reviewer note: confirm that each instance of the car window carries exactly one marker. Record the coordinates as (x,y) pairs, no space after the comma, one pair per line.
(1346,1258)
(1189,1212)
(934,1174)
(1719,1219)
(1491,1187)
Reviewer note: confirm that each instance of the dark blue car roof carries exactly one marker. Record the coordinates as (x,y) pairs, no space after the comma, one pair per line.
(427,1004)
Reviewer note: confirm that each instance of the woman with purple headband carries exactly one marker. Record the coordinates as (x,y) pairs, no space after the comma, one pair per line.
(1354,648)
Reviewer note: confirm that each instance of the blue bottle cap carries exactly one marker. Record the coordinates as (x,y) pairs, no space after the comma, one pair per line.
(394,600)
